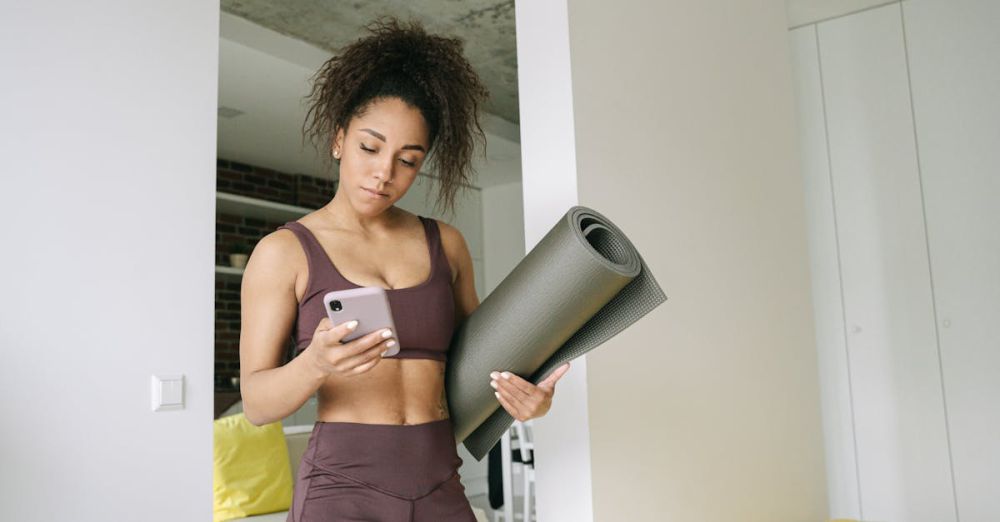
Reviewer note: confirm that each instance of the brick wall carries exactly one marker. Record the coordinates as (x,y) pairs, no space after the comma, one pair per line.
(233,232)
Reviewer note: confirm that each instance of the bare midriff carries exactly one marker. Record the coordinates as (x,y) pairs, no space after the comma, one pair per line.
(395,391)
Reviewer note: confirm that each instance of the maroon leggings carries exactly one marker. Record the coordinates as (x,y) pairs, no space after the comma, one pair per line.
(380,473)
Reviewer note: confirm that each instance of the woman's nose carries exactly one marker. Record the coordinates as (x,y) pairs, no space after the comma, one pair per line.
(384,172)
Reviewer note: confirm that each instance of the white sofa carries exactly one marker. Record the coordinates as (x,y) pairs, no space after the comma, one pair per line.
(297,439)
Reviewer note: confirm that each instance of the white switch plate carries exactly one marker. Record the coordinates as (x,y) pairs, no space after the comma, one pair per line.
(168,392)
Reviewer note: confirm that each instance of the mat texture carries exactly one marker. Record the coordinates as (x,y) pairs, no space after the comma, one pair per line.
(581,285)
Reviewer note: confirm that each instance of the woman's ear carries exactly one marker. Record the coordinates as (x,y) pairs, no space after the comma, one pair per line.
(338,144)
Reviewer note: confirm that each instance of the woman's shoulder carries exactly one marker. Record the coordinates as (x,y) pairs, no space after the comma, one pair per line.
(279,253)
(276,251)
(282,242)
(278,243)
(455,248)
(287,240)
(451,236)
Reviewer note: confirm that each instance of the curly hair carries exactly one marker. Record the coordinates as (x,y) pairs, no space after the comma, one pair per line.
(428,72)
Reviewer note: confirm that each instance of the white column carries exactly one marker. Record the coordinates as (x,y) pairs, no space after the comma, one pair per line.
(548,163)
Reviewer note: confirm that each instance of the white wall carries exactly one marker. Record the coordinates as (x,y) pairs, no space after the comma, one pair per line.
(708,408)
(899,125)
(683,133)
(108,138)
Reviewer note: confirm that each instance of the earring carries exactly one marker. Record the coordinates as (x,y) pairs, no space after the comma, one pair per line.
(336,154)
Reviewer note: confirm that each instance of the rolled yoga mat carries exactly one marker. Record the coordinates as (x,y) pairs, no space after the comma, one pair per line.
(582,284)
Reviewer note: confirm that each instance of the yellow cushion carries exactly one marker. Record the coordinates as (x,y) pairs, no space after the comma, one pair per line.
(252,474)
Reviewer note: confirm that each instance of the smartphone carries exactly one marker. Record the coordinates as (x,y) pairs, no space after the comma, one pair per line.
(368,305)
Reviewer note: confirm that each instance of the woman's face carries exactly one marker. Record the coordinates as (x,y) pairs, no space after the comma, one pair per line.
(381,153)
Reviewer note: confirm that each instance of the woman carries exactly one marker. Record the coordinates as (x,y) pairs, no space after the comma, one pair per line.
(382,447)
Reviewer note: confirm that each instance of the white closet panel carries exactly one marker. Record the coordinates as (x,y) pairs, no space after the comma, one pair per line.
(955,73)
(902,447)
(835,392)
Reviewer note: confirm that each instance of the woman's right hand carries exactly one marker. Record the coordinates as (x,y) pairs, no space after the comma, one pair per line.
(347,359)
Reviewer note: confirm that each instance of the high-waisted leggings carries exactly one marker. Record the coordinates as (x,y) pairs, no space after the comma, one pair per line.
(380,473)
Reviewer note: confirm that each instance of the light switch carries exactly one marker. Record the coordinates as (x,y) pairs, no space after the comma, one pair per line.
(168,392)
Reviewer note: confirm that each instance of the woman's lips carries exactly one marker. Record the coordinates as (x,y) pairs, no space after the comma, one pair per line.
(374,194)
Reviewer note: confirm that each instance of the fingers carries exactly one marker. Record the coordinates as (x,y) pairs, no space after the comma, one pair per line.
(373,359)
(355,356)
(550,381)
(514,409)
(334,333)
(523,402)
(519,388)
(324,324)
(358,370)
(374,353)
(334,337)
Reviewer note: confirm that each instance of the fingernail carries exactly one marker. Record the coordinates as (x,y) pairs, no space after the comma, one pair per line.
(494,384)
(390,344)
(495,375)
(352,325)
(505,375)
(385,352)
(497,394)
(387,334)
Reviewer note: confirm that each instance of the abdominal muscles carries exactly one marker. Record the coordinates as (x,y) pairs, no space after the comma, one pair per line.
(395,391)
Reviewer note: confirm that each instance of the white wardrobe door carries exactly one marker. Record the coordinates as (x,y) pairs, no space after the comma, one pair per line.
(835,391)
(902,447)
(955,72)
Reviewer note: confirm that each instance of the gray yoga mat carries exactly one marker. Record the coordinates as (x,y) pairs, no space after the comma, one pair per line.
(582,284)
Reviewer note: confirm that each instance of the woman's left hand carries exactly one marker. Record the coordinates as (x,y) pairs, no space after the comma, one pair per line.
(522,399)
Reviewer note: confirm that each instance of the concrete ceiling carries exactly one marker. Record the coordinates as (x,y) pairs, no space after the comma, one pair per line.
(486,26)
(264,79)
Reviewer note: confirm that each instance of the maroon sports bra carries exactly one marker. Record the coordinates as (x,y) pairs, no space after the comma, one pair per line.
(424,315)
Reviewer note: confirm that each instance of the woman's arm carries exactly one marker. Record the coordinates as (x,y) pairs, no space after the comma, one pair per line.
(463,284)
(268,309)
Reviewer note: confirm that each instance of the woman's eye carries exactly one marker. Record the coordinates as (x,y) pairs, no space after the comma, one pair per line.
(407,163)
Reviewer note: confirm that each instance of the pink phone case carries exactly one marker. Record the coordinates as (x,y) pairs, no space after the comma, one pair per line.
(368,305)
